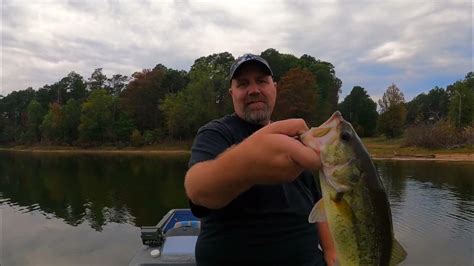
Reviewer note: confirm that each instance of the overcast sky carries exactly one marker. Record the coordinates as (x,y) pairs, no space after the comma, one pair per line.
(415,44)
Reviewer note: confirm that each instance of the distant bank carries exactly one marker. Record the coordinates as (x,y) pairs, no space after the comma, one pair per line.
(379,148)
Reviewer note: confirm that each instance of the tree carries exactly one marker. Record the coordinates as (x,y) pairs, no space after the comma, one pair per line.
(35,115)
(297,96)
(71,120)
(76,86)
(97,80)
(327,84)
(15,105)
(393,115)
(123,127)
(61,123)
(116,84)
(429,107)
(51,125)
(359,109)
(461,101)
(204,98)
(280,63)
(392,96)
(142,97)
(97,117)
(213,70)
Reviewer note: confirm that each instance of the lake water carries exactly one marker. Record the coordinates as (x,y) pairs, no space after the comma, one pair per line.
(87,209)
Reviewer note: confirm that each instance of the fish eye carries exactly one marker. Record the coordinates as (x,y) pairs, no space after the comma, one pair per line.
(346,136)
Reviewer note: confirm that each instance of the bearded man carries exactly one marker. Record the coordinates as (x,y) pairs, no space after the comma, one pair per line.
(248,181)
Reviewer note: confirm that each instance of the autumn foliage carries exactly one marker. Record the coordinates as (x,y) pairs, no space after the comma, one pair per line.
(297,96)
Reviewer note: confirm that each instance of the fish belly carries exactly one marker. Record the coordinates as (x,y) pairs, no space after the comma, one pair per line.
(351,224)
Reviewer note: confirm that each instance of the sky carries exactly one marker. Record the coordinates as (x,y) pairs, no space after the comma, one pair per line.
(416,45)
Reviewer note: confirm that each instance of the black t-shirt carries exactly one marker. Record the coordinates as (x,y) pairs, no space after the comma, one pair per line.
(265,225)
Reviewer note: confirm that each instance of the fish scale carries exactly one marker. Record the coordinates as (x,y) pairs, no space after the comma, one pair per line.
(354,201)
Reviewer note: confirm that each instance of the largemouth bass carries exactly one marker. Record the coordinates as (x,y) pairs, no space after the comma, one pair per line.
(354,201)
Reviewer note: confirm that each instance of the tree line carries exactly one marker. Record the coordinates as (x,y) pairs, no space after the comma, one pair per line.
(162,104)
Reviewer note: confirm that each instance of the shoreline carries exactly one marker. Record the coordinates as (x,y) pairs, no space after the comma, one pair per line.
(99,151)
(454,157)
(447,157)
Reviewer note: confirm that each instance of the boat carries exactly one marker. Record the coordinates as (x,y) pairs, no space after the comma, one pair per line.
(170,242)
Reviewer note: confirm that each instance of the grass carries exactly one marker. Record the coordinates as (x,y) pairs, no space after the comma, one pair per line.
(379,147)
(383,147)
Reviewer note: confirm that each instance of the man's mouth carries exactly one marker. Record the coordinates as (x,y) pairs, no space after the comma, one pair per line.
(256,104)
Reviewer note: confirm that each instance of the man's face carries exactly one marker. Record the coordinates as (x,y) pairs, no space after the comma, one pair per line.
(253,94)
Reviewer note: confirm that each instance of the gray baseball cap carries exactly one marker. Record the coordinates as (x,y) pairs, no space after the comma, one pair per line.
(247,58)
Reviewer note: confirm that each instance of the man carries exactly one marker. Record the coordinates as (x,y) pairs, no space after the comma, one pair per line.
(248,184)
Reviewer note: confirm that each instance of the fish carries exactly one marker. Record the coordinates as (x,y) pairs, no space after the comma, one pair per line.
(354,201)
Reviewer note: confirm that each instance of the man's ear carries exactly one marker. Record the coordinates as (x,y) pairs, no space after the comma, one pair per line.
(230,91)
(275,84)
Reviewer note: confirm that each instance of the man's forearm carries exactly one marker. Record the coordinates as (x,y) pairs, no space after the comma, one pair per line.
(327,243)
(269,156)
(214,183)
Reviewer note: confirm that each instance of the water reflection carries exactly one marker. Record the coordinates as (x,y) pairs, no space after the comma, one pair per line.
(433,209)
(100,201)
(97,189)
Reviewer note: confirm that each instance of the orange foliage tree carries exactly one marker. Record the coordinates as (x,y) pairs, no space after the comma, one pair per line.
(297,96)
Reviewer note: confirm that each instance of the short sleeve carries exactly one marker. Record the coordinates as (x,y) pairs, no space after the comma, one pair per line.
(209,142)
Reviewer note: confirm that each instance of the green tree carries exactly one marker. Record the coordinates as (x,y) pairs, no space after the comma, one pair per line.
(203,99)
(116,84)
(461,101)
(51,125)
(213,71)
(327,84)
(280,63)
(97,117)
(297,96)
(76,86)
(123,127)
(359,109)
(429,107)
(179,115)
(35,114)
(392,118)
(97,80)
(15,105)
(71,112)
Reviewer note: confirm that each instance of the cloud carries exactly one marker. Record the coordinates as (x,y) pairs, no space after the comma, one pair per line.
(370,43)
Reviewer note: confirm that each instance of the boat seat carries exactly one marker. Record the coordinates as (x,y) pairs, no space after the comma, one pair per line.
(193,224)
(183,231)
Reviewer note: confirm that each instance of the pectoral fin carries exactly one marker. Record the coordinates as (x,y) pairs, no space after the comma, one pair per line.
(398,253)
(318,214)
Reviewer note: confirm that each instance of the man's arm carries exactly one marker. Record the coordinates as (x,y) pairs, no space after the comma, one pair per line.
(269,156)
(327,244)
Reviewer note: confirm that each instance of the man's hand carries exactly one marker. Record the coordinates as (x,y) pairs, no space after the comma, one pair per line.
(273,155)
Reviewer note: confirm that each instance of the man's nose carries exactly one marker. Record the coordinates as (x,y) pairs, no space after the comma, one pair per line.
(253,89)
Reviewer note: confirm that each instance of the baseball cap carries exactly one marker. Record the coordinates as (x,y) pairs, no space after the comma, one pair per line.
(247,58)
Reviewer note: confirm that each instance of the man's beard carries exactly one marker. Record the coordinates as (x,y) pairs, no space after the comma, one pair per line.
(259,117)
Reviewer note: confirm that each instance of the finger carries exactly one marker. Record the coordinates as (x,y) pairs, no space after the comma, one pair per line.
(304,156)
(289,127)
